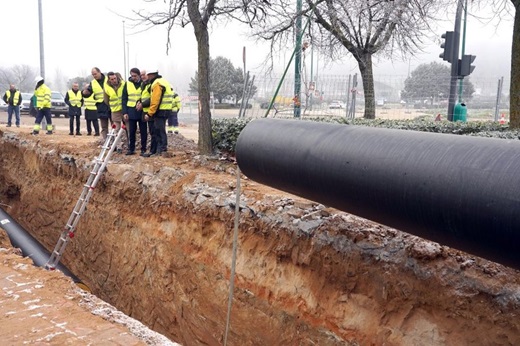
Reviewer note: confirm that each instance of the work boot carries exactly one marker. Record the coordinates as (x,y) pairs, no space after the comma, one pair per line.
(35,132)
(8,125)
(129,152)
(49,132)
(71,134)
(78,133)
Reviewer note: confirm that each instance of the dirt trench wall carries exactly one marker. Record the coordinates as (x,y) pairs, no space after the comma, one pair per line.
(156,242)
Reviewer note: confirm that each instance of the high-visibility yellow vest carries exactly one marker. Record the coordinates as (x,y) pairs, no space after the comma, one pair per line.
(176,102)
(90,103)
(115,98)
(167,99)
(145,96)
(133,94)
(97,89)
(43,97)
(16,96)
(75,98)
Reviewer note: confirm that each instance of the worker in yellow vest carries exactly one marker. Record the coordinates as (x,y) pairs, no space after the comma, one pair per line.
(173,120)
(91,114)
(13,98)
(96,89)
(43,105)
(161,103)
(74,99)
(132,116)
(114,98)
(143,105)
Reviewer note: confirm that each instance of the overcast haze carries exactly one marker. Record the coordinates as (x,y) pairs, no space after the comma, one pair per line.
(71,27)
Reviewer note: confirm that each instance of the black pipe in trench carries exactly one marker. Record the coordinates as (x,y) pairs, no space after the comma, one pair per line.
(30,247)
(460,191)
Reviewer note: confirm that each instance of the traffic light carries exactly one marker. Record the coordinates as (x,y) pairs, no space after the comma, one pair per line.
(465,67)
(447,54)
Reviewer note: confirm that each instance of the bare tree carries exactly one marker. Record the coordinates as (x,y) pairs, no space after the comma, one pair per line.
(199,14)
(362,28)
(514,88)
(22,76)
(502,10)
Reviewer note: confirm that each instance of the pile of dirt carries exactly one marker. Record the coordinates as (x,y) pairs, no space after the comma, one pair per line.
(156,242)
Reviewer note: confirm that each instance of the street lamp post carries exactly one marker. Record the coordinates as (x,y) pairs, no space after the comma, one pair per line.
(42,59)
(125,71)
(297,62)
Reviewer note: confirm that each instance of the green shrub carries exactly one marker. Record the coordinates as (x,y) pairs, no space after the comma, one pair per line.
(226,131)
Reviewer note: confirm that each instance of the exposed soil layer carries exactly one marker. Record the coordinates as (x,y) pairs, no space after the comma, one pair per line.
(156,242)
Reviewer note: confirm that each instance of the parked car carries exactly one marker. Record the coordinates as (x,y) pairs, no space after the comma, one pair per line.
(58,105)
(337,105)
(3,105)
(26,103)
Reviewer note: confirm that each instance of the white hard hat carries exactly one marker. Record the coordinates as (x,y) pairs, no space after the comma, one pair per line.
(37,79)
(153,71)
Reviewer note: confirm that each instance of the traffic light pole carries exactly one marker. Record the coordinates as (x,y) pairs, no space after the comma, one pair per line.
(455,61)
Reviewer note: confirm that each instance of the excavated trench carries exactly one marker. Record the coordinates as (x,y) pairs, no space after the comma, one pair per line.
(156,242)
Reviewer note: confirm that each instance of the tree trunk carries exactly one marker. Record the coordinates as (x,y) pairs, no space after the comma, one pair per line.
(514,87)
(365,67)
(200,26)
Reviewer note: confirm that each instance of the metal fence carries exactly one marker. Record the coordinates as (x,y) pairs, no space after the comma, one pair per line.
(332,95)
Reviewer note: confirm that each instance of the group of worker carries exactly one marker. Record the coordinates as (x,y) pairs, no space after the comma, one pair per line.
(146,101)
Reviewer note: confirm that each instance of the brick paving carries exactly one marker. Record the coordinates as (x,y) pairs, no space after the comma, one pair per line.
(38,307)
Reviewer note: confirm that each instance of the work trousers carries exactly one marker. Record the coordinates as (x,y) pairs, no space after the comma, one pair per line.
(10,111)
(160,133)
(133,124)
(71,123)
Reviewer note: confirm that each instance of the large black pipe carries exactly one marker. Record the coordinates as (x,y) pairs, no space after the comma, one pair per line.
(30,247)
(460,191)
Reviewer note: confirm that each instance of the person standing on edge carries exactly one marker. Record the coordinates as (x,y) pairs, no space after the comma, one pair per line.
(43,105)
(161,103)
(13,98)
(144,105)
(74,99)
(132,116)
(173,120)
(114,97)
(91,114)
(96,89)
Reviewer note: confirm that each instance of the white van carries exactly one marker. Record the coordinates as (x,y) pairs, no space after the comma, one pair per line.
(58,105)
